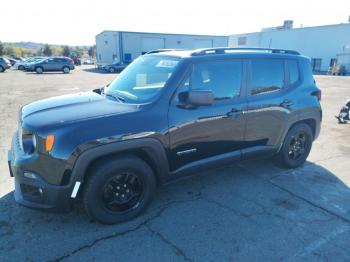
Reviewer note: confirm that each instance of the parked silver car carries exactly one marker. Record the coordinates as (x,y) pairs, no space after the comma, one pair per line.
(64,64)
(20,65)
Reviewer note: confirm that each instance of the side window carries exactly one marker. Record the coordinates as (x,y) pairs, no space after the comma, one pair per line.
(223,78)
(293,72)
(267,75)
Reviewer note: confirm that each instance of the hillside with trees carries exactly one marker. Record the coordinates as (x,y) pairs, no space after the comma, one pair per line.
(25,49)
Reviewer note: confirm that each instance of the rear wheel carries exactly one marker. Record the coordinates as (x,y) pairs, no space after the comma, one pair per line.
(296,146)
(111,70)
(39,70)
(66,70)
(21,67)
(119,190)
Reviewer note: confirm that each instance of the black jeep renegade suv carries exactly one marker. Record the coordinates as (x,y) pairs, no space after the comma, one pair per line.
(166,115)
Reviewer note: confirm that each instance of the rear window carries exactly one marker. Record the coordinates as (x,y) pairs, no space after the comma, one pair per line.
(4,60)
(267,75)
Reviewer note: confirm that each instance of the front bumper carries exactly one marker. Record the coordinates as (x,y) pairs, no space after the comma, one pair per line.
(33,191)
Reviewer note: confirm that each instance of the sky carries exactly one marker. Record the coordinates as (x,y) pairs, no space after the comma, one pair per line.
(77,22)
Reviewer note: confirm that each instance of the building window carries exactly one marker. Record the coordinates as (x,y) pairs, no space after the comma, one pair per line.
(242,40)
(106,42)
(99,57)
(316,64)
(333,62)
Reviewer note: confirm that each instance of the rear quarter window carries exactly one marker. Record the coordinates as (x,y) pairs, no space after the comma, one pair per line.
(293,69)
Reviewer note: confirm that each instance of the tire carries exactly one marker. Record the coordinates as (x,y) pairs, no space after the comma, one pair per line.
(39,70)
(21,68)
(66,70)
(294,151)
(111,70)
(2,69)
(99,191)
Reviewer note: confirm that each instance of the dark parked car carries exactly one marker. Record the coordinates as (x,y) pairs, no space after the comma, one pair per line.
(167,115)
(115,67)
(4,64)
(64,64)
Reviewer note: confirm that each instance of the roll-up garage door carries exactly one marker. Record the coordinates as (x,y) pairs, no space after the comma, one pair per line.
(151,43)
(203,43)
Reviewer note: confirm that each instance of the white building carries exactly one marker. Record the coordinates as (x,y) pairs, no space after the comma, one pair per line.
(321,43)
(121,46)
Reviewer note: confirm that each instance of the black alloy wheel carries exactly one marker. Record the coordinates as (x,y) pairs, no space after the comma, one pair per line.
(122,192)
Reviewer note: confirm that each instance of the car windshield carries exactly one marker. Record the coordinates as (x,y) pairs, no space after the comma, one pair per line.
(143,79)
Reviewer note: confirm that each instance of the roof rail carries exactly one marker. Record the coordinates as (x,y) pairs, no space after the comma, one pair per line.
(224,50)
(162,50)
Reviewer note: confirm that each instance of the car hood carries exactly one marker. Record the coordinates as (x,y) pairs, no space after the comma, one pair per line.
(71,108)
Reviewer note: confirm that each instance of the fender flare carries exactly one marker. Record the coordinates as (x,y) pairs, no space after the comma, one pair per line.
(315,115)
(152,147)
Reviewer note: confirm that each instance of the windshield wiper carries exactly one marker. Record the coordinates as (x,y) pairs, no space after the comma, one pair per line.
(119,98)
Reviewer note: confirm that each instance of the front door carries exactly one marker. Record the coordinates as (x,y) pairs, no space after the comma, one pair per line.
(197,133)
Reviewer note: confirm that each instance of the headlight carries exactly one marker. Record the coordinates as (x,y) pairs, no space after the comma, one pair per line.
(27,142)
(34,140)
(20,137)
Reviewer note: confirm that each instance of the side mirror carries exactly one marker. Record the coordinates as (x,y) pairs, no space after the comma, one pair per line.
(200,97)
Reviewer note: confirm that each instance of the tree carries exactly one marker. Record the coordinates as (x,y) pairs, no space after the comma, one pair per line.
(1,48)
(47,50)
(9,50)
(65,51)
(79,52)
(92,51)
(57,50)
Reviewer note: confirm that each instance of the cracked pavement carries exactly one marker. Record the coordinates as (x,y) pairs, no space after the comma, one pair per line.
(249,211)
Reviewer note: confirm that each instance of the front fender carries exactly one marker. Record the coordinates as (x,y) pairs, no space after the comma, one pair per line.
(151,146)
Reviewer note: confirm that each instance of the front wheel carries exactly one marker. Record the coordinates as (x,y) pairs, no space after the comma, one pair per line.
(296,146)
(119,190)
(2,69)
(111,70)
(21,68)
(39,70)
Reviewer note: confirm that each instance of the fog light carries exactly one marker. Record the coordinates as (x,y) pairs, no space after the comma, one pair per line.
(29,175)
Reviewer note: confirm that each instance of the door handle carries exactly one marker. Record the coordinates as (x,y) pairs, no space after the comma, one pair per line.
(234,112)
(286,103)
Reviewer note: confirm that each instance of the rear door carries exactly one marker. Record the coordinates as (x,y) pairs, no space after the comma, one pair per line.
(58,64)
(49,64)
(269,103)
(198,133)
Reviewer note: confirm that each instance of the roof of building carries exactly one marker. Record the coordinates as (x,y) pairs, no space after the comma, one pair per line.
(114,31)
(296,28)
